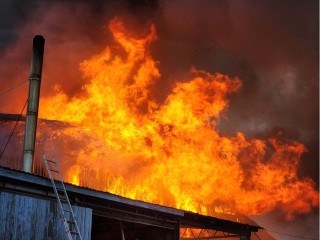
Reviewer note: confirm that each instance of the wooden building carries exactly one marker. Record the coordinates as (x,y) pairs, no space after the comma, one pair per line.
(28,207)
(28,210)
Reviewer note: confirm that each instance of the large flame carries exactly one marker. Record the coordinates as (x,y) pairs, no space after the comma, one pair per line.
(171,153)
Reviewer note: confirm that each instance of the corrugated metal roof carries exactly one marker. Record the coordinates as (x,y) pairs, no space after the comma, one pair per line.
(26,183)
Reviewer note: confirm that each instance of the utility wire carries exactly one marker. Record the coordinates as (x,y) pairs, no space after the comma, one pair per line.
(13,130)
(257,235)
(290,235)
(10,89)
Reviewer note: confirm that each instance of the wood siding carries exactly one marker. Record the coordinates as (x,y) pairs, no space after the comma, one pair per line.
(23,217)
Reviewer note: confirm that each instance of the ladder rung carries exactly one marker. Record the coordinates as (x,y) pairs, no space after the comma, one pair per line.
(52,170)
(66,210)
(50,161)
(73,232)
(62,197)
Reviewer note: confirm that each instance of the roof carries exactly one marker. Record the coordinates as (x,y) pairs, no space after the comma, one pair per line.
(117,207)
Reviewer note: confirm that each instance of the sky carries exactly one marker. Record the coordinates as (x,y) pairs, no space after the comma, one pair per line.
(272,46)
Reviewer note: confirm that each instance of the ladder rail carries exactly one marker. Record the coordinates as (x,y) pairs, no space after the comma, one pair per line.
(73,221)
(57,197)
(67,200)
(63,188)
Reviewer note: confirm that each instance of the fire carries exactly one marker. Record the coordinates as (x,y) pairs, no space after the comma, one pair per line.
(171,153)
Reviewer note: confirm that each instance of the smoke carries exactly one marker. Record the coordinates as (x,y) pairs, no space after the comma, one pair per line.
(306,226)
(74,31)
(272,46)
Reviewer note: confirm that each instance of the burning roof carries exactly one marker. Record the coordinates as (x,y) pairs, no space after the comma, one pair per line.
(127,142)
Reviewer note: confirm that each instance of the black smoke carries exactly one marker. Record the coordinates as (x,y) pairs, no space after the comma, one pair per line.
(273,46)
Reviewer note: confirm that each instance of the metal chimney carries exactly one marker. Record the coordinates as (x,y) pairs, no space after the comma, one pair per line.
(33,103)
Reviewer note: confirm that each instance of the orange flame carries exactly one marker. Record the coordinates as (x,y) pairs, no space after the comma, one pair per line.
(171,153)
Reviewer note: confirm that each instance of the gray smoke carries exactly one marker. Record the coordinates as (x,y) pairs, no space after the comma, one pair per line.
(271,45)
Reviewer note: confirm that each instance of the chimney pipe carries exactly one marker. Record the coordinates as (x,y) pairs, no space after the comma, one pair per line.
(33,103)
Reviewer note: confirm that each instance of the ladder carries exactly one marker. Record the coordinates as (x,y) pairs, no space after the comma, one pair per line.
(66,214)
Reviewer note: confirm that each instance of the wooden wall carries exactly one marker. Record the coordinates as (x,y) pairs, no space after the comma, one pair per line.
(24,217)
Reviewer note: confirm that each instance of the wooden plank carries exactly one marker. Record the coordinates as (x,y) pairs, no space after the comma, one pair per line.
(24,217)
